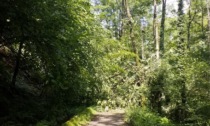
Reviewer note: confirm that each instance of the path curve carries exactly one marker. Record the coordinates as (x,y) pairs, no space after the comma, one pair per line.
(113,118)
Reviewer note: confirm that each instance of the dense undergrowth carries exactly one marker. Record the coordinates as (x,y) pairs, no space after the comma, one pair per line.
(142,116)
(137,116)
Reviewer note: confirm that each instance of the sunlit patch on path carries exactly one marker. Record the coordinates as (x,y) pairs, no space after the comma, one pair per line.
(114,118)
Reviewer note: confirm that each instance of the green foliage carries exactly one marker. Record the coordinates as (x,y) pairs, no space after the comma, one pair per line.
(116,65)
(75,54)
(56,70)
(204,112)
(156,85)
(137,116)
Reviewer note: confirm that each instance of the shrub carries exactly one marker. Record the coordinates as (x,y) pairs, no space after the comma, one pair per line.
(137,116)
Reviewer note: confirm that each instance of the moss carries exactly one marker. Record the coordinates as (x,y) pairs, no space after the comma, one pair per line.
(82,118)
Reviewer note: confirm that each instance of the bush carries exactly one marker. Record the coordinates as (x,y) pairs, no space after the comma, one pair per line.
(137,116)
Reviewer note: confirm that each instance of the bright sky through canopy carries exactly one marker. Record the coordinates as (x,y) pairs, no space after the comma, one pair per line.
(172,6)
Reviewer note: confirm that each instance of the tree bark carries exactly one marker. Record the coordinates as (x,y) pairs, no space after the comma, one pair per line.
(190,20)
(122,15)
(157,94)
(181,52)
(208,12)
(154,17)
(155,31)
(17,65)
(189,25)
(202,14)
(131,23)
(180,44)
(162,27)
(142,45)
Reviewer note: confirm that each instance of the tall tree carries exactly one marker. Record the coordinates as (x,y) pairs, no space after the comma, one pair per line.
(155,30)
(156,84)
(131,25)
(180,26)
(189,24)
(202,18)
(162,27)
(208,12)
(181,47)
(17,65)
(191,17)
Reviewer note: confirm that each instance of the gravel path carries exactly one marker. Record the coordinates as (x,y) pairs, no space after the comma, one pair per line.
(114,118)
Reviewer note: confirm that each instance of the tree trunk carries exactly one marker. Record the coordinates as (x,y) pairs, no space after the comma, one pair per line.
(122,16)
(17,65)
(202,14)
(189,25)
(180,44)
(130,23)
(155,31)
(154,18)
(181,51)
(142,45)
(157,43)
(162,27)
(208,12)
(157,94)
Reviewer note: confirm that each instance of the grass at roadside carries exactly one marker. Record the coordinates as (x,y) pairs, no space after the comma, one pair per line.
(82,118)
(137,116)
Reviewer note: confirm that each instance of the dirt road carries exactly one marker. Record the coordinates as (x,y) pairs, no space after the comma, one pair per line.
(113,118)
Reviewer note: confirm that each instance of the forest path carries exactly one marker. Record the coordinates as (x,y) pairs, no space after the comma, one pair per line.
(112,118)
